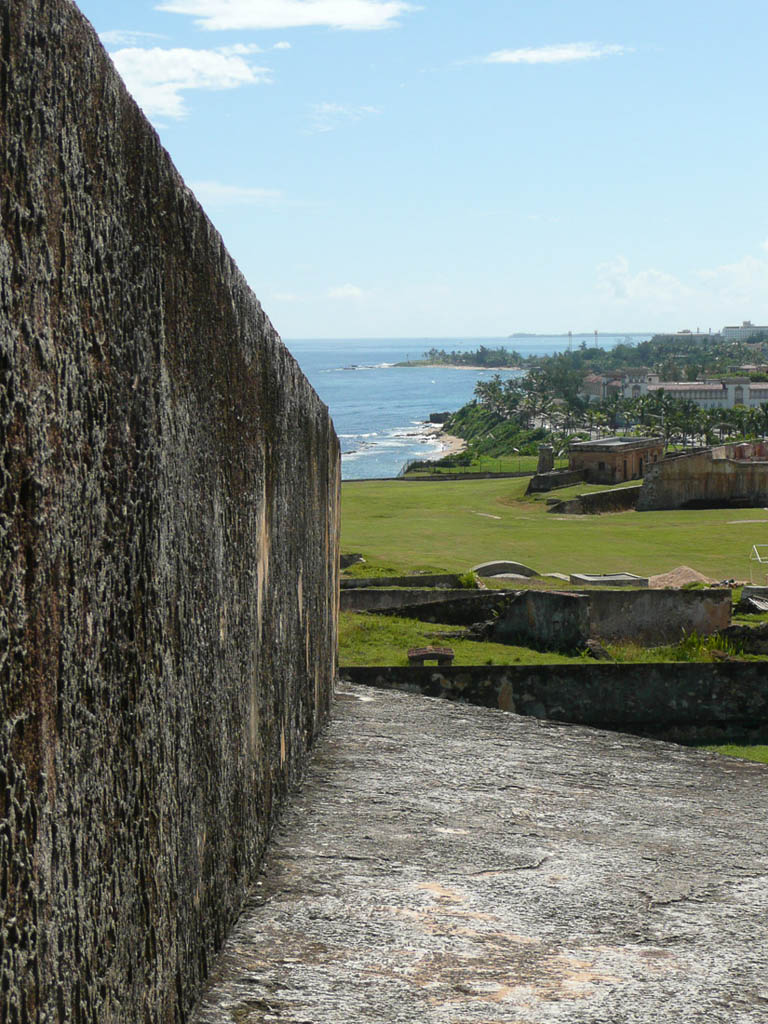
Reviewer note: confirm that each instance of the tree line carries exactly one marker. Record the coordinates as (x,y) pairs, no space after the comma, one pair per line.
(538,399)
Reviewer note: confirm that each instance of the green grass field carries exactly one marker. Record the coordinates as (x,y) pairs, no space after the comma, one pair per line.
(489,464)
(385,640)
(757,753)
(370,639)
(456,524)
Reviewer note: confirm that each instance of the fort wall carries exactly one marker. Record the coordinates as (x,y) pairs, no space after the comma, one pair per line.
(734,475)
(684,702)
(169,490)
(617,499)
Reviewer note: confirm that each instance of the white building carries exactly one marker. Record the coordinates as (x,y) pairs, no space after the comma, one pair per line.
(707,394)
(746,330)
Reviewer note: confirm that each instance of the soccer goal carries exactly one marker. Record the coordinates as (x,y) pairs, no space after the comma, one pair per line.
(758,565)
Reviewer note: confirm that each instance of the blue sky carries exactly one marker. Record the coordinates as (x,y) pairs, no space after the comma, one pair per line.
(380,168)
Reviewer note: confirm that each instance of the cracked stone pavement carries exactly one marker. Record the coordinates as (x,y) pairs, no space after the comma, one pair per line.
(445,864)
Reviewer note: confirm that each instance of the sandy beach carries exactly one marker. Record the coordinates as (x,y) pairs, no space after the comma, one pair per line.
(450,444)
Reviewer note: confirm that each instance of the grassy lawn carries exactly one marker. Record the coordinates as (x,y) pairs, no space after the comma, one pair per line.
(385,640)
(758,753)
(370,639)
(457,524)
(490,464)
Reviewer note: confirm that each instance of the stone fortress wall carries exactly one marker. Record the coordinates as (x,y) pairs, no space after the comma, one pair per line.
(169,490)
(727,475)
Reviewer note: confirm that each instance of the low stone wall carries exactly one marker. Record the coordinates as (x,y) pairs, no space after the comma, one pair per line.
(557,620)
(551,620)
(618,499)
(442,477)
(545,619)
(444,581)
(462,606)
(169,487)
(688,703)
(656,617)
(543,482)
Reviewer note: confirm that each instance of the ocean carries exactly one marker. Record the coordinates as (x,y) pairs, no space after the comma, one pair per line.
(381,411)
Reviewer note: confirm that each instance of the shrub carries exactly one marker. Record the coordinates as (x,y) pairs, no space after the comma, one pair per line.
(468,581)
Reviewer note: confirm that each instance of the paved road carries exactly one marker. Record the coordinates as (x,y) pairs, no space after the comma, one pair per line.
(445,864)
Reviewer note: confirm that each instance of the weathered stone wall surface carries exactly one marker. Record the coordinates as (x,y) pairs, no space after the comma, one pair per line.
(504,870)
(472,605)
(542,482)
(554,620)
(562,621)
(442,581)
(716,478)
(547,619)
(656,617)
(690,703)
(618,499)
(168,509)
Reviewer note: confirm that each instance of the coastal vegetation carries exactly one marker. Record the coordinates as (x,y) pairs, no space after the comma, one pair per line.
(513,416)
(494,358)
(675,356)
(560,412)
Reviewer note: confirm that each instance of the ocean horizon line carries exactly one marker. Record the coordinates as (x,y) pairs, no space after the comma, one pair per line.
(475,337)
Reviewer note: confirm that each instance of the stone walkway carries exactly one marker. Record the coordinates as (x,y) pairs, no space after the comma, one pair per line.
(445,864)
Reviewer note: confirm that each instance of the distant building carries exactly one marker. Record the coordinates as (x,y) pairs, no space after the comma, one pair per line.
(612,460)
(721,393)
(598,386)
(747,330)
(724,393)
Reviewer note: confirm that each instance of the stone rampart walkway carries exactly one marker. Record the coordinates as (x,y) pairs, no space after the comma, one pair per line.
(445,864)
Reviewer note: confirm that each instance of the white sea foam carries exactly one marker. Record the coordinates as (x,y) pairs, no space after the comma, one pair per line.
(362,366)
(380,416)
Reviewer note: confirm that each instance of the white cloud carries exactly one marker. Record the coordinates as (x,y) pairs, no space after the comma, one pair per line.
(764,245)
(157,78)
(739,284)
(727,293)
(559,53)
(239,49)
(215,193)
(275,14)
(282,46)
(120,38)
(346,291)
(328,116)
(617,282)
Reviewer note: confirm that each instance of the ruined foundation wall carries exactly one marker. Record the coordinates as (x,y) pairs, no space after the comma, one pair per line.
(703,481)
(169,517)
(656,617)
(618,499)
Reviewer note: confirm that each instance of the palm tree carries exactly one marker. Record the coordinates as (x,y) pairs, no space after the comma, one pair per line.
(613,408)
(762,419)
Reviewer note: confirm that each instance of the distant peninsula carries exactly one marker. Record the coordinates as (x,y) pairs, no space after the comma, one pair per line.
(481,358)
